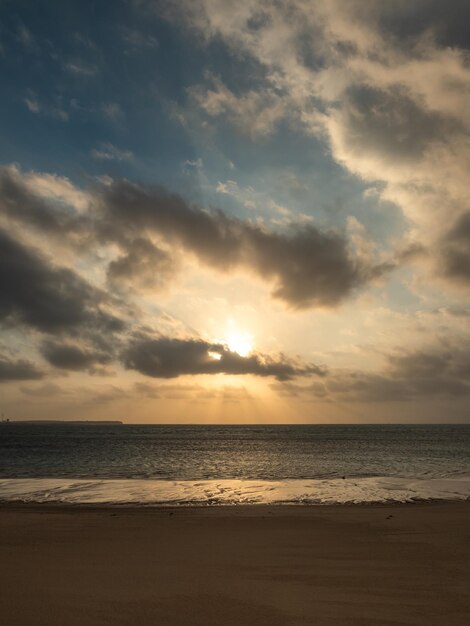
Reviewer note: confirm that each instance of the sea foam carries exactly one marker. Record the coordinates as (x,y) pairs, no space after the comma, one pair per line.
(232,492)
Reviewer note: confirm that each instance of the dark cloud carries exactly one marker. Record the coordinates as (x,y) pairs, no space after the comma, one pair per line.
(456,311)
(48,298)
(424,374)
(368,386)
(18,370)
(460,232)
(18,202)
(144,265)
(455,252)
(437,371)
(169,358)
(71,357)
(391,124)
(406,21)
(308,267)
(410,252)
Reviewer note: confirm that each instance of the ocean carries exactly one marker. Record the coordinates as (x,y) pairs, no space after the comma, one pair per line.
(255,464)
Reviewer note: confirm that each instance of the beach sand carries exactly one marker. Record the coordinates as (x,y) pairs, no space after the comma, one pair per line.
(247,565)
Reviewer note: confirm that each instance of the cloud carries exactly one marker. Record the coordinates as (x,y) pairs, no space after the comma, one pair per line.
(168,358)
(245,195)
(71,357)
(18,370)
(307,267)
(113,111)
(79,68)
(45,297)
(153,229)
(386,124)
(54,111)
(255,114)
(46,390)
(455,255)
(30,199)
(436,371)
(50,187)
(148,227)
(107,152)
(32,105)
(25,36)
(384,85)
(138,41)
(144,266)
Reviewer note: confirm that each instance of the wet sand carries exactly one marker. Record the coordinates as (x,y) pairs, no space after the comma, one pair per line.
(330,565)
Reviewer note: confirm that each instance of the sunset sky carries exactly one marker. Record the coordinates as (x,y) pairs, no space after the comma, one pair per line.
(250,211)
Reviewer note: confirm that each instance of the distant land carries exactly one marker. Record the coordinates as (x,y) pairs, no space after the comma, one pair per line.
(73,422)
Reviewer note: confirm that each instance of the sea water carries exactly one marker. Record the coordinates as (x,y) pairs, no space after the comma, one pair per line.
(166,465)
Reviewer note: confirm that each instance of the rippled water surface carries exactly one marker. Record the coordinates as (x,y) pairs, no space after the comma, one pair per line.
(233,452)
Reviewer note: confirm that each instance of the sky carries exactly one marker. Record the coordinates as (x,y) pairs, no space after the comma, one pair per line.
(235,212)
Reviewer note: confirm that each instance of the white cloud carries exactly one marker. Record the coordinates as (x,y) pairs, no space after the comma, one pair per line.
(32,104)
(79,68)
(254,113)
(113,111)
(108,152)
(25,36)
(54,187)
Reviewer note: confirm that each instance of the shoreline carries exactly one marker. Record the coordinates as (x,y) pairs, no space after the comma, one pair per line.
(246,507)
(328,565)
(227,492)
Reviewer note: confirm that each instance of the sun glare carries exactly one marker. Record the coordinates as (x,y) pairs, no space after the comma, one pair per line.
(239,341)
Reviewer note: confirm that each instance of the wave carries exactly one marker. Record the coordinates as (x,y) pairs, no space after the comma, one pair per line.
(232,492)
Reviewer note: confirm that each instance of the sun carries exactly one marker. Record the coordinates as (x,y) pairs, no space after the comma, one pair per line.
(239,341)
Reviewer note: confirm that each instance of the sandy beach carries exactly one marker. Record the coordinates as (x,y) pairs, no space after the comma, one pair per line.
(330,565)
